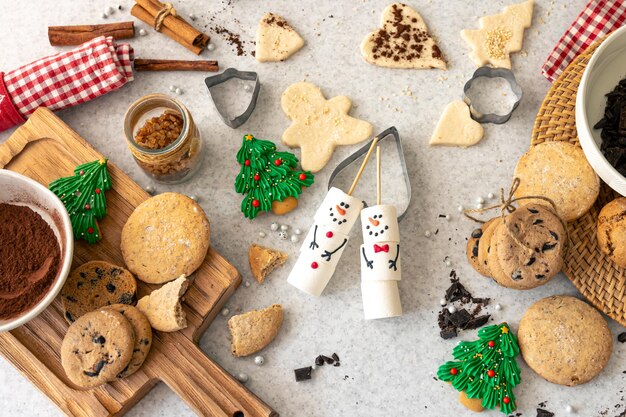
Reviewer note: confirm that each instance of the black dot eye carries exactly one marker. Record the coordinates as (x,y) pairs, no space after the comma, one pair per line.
(386,227)
(375,216)
(367,227)
(334,220)
(342,204)
(380,216)
(370,233)
(331,209)
(347,206)
(375,234)
(382,231)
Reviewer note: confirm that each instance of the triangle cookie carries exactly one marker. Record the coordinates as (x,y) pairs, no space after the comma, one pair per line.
(402,41)
(276,40)
(456,127)
(499,35)
(254,330)
(263,261)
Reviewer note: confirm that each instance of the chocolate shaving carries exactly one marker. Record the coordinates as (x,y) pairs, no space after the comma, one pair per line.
(302,374)
(621,337)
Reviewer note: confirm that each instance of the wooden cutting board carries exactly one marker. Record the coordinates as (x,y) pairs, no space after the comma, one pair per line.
(44,148)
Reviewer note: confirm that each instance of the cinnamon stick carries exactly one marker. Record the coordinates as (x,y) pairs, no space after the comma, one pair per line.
(173,26)
(77,34)
(174,65)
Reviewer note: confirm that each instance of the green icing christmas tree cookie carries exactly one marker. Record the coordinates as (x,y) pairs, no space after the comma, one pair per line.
(83,197)
(486,368)
(267,175)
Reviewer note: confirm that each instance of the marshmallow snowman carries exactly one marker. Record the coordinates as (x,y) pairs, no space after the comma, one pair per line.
(380,262)
(325,242)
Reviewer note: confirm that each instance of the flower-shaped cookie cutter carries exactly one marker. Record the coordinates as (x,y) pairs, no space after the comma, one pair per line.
(392,133)
(491,72)
(241,75)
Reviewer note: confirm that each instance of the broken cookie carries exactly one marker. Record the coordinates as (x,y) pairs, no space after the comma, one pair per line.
(264,260)
(254,330)
(163,308)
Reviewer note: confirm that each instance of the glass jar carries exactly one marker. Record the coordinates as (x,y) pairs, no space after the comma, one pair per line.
(175,162)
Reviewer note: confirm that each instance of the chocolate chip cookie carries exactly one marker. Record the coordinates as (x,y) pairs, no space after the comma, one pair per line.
(96,284)
(143,336)
(474,244)
(528,247)
(612,231)
(97,347)
(564,340)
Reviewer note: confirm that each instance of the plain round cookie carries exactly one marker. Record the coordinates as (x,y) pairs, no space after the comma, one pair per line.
(528,247)
(143,336)
(612,230)
(559,171)
(97,347)
(96,284)
(564,340)
(473,248)
(165,237)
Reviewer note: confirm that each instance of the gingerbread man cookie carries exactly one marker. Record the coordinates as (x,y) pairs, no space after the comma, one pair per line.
(319,125)
(499,35)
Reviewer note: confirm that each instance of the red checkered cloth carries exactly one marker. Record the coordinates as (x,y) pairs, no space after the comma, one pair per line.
(598,18)
(65,79)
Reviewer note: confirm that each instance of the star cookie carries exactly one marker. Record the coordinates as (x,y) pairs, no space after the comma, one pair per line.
(402,41)
(319,125)
(499,35)
(276,40)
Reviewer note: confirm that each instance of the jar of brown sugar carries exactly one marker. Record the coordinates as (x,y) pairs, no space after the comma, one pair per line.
(163,138)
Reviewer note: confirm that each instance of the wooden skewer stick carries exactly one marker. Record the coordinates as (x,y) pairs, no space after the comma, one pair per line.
(367,158)
(378,184)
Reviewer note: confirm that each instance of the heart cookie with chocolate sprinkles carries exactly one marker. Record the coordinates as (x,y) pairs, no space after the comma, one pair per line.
(402,41)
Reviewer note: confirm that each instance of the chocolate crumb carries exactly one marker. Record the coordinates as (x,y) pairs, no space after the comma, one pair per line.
(328,360)
(319,361)
(544,413)
(302,374)
(335,357)
(621,337)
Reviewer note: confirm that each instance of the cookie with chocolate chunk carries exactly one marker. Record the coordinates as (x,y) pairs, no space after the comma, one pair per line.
(528,247)
(612,231)
(485,248)
(143,336)
(97,347)
(96,284)
(473,247)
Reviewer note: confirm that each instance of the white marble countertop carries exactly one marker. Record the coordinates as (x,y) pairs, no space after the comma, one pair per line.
(387,366)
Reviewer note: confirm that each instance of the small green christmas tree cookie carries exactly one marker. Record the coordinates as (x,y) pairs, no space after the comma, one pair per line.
(267,175)
(83,197)
(486,368)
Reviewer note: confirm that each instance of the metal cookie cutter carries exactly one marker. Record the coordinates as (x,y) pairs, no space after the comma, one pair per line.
(491,72)
(242,75)
(392,132)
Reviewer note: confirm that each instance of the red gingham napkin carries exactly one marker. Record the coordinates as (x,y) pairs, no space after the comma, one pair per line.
(598,18)
(65,79)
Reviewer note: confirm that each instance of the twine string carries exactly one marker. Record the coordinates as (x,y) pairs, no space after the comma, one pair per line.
(166,10)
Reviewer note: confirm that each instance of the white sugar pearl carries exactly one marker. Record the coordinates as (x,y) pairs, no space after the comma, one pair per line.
(298,231)
(448,263)
(192,16)
(211,47)
(178,91)
(225,312)
(459,209)
(490,195)
(259,360)
(243,378)
(247,284)
(172,88)
(143,32)
(282,235)
(479,206)
(284,227)
(448,217)
(498,307)
(247,87)
(443,302)
(261,234)
(427,233)
(480,200)
(295,238)
(569,409)
(314,366)
(150,189)
(274,227)
(194,197)
(452,309)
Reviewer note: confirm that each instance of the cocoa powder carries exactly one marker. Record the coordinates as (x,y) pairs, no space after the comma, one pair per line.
(30,259)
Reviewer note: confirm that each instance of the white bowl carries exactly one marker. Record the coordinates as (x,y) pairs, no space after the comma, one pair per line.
(21,190)
(605,69)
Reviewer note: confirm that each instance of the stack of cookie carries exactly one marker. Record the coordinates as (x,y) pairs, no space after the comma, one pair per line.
(522,250)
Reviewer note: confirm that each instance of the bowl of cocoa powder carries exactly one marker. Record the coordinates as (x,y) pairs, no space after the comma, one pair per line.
(36,248)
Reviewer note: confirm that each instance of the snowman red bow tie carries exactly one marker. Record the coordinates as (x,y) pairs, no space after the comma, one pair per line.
(383,248)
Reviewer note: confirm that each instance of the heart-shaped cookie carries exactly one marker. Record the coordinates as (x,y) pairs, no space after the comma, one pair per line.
(402,41)
(456,127)
(276,40)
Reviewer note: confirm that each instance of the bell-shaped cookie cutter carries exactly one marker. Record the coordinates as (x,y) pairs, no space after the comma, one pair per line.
(391,132)
(491,72)
(230,73)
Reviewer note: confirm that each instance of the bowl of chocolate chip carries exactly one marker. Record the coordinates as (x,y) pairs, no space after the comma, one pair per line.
(36,247)
(601,111)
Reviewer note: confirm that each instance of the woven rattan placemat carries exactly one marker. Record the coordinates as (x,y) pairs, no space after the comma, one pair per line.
(600,280)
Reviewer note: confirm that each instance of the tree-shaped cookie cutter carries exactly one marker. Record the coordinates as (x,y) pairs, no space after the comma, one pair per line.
(230,73)
(491,72)
(391,132)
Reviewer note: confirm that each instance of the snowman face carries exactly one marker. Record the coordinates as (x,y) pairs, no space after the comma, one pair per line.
(380,224)
(338,214)
(338,211)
